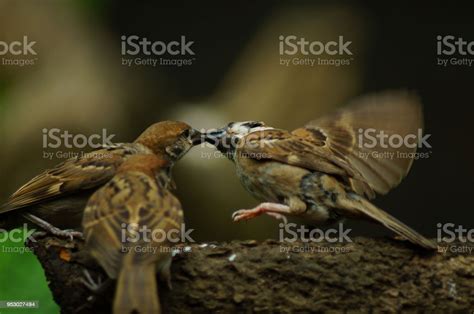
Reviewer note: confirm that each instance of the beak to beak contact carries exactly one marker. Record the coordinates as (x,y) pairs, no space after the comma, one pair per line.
(196,137)
(214,136)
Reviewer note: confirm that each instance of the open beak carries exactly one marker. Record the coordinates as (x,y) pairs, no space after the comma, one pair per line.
(214,136)
(196,137)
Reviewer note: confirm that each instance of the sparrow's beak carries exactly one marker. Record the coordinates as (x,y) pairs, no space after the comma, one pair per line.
(214,136)
(196,137)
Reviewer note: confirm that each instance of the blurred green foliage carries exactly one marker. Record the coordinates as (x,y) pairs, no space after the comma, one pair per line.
(23,279)
(92,6)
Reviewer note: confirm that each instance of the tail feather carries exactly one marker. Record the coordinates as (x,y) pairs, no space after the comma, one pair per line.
(137,291)
(362,206)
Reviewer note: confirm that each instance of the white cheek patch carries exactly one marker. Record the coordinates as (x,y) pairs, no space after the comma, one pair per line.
(260,128)
(240,130)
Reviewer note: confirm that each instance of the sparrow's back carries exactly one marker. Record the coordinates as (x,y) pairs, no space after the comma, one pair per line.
(119,222)
(59,195)
(360,133)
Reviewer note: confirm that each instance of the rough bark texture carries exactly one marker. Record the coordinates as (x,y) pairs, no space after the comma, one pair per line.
(366,275)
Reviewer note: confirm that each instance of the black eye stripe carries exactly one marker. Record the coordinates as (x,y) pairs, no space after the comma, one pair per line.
(186,133)
(252,124)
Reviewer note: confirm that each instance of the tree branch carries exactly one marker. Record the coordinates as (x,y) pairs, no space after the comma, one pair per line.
(368,274)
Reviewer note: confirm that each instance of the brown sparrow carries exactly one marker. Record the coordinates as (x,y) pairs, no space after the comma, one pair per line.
(119,222)
(325,171)
(55,199)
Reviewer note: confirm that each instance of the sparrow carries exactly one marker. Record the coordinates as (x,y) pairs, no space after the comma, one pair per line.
(119,224)
(55,199)
(327,170)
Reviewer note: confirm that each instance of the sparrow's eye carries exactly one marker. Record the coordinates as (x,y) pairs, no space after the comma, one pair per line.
(186,133)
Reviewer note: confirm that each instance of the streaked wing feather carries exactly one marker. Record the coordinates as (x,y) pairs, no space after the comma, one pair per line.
(294,150)
(392,112)
(75,174)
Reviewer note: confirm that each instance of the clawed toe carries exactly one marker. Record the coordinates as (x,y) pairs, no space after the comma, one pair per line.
(235,214)
(71,234)
(37,235)
(243,214)
(52,229)
(90,283)
(274,210)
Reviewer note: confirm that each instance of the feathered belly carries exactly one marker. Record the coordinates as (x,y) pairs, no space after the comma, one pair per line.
(271,181)
(260,190)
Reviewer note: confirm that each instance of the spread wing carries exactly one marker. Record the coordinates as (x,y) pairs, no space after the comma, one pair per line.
(282,146)
(117,211)
(350,134)
(80,173)
(342,143)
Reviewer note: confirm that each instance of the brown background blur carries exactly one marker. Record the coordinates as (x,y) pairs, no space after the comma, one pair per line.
(79,84)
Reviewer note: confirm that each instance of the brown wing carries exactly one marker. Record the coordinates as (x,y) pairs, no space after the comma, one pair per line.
(131,200)
(75,174)
(294,150)
(381,168)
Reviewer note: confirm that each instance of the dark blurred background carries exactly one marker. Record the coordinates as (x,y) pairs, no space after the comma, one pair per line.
(78,83)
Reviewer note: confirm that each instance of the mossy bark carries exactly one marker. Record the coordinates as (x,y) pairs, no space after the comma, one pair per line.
(366,275)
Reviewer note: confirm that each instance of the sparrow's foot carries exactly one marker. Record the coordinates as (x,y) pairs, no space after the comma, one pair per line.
(272,209)
(278,217)
(67,233)
(96,287)
(37,235)
(71,234)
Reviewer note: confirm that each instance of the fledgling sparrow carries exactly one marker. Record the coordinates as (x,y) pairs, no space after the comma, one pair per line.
(322,172)
(119,222)
(55,199)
